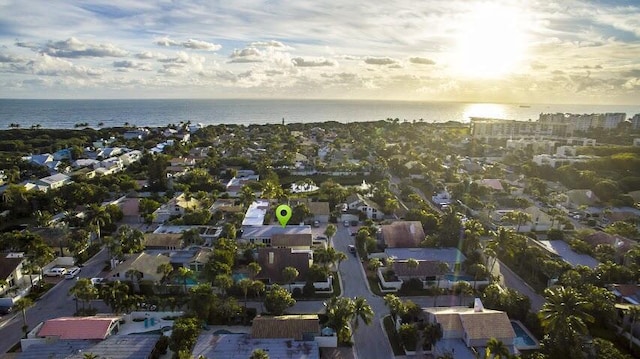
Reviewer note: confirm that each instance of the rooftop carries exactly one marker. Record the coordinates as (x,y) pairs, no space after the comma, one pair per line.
(403,234)
(78,327)
(285,326)
(269,231)
(240,346)
(448,255)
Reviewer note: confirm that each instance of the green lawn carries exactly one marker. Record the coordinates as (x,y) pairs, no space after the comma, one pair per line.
(392,335)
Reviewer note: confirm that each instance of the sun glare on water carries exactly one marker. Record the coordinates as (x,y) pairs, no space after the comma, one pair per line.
(491,41)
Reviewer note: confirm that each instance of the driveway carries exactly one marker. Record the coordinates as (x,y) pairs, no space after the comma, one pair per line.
(55,303)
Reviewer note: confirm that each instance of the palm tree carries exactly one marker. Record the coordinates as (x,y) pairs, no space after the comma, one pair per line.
(115,295)
(565,312)
(99,218)
(289,274)
(22,305)
(90,356)
(165,269)
(518,218)
(464,289)
(84,290)
(497,349)
(634,314)
(361,310)
(134,275)
(184,273)
(245,284)
(396,307)
(330,231)
(247,196)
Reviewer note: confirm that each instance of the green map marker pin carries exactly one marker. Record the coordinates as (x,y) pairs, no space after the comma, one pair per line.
(283,212)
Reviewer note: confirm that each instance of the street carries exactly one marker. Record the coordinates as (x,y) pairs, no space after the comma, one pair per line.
(55,303)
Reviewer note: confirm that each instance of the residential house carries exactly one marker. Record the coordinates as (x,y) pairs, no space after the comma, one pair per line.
(364,205)
(256,213)
(241,346)
(53,181)
(11,271)
(167,241)
(192,258)
(540,221)
(425,271)
(491,183)
(402,234)
(177,206)
(451,256)
(72,328)
(138,134)
(234,186)
(109,166)
(580,197)
(225,205)
(621,244)
(130,157)
(264,234)
(465,328)
(147,264)
(626,293)
(274,260)
(299,241)
(296,327)
(320,211)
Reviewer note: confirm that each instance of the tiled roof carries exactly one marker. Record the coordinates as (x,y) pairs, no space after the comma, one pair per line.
(284,326)
(8,265)
(133,346)
(449,321)
(424,269)
(622,244)
(403,234)
(165,240)
(291,240)
(282,258)
(78,327)
(319,208)
(627,290)
(486,324)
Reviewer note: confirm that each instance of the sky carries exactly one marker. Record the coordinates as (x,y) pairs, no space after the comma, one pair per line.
(546,51)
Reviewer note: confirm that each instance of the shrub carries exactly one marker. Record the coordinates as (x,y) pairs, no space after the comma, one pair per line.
(555,235)
(412,284)
(409,336)
(309,290)
(162,344)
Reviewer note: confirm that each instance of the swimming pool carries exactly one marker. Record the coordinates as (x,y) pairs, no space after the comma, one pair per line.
(458,277)
(238,277)
(524,340)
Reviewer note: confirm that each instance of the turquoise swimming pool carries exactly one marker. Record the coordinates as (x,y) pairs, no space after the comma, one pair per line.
(458,277)
(523,338)
(238,277)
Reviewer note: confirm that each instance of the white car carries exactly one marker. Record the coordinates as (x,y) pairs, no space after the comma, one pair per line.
(72,273)
(55,272)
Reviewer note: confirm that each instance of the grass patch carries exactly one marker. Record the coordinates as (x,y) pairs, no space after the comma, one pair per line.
(392,335)
(374,283)
(337,289)
(39,290)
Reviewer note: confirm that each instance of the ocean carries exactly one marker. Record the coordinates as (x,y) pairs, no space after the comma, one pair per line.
(156,113)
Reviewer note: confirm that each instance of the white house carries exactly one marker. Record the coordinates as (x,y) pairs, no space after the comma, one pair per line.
(365,205)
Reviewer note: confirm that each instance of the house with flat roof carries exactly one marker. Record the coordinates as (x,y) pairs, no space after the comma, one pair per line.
(297,327)
(264,234)
(292,240)
(256,212)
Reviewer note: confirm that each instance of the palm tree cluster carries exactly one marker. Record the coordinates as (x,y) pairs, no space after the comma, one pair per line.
(345,313)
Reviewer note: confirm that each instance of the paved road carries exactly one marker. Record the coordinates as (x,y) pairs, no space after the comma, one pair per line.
(55,303)
(370,340)
(511,280)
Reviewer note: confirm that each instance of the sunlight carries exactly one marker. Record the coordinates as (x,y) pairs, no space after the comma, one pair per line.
(491,42)
(485,110)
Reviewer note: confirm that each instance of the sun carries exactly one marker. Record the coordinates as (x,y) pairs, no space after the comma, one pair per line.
(491,41)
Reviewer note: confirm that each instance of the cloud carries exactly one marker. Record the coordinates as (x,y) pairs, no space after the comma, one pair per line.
(421,61)
(6,58)
(249,54)
(181,64)
(127,64)
(147,55)
(379,61)
(318,62)
(201,45)
(46,65)
(272,43)
(74,48)
(189,44)
(165,41)
(536,65)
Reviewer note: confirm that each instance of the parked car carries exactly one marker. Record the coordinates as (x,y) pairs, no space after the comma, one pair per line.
(55,272)
(5,309)
(346,223)
(97,281)
(316,224)
(72,273)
